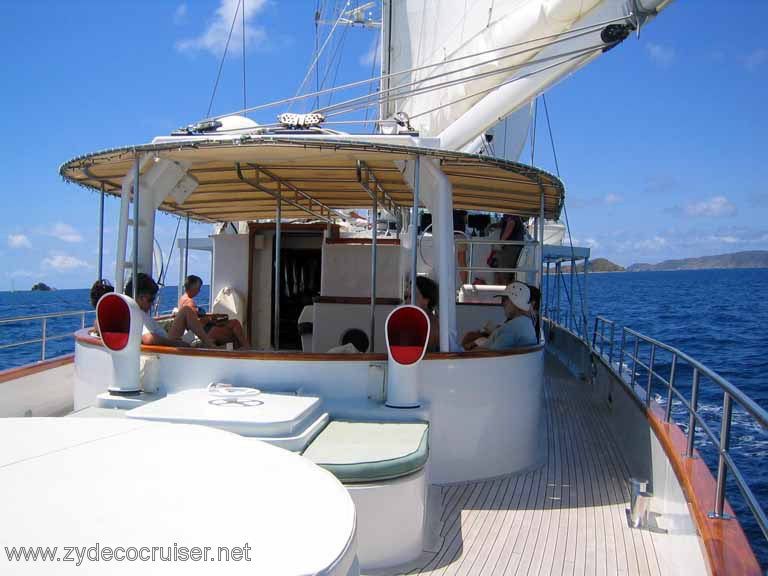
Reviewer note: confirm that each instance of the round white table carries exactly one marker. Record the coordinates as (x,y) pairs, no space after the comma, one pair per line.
(149,491)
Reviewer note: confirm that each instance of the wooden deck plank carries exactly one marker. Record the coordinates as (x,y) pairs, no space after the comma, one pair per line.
(566,517)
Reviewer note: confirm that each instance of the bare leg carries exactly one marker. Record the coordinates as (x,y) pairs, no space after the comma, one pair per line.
(186,319)
(237,329)
(231,332)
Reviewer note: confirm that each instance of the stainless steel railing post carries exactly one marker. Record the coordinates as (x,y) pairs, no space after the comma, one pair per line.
(621,354)
(610,349)
(594,334)
(668,411)
(722,470)
(602,337)
(650,376)
(634,363)
(82,320)
(692,419)
(42,339)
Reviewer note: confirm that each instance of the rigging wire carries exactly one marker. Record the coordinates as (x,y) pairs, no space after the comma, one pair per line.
(558,38)
(565,212)
(418,90)
(314,62)
(583,53)
(338,50)
(245,104)
(373,72)
(223,57)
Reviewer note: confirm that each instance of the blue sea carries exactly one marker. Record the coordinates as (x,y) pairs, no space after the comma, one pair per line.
(719,317)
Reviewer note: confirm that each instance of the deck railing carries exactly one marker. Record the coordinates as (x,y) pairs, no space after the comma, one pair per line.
(86,318)
(630,350)
(44,336)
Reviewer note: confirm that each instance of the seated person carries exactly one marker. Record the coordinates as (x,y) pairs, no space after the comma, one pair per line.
(154,334)
(353,341)
(535,306)
(99,288)
(518,330)
(220,329)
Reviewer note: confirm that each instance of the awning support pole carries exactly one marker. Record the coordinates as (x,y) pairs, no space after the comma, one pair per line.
(374,254)
(558,272)
(572,300)
(135,274)
(541,237)
(278,265)
(415,227)
(100,271)
(186,251)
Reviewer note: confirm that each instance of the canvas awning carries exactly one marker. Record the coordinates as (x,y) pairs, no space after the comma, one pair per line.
(239,178)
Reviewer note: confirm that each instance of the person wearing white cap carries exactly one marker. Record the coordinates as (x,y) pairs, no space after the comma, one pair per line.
(517,331)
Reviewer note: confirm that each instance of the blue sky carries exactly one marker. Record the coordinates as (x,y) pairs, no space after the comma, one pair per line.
(661,142)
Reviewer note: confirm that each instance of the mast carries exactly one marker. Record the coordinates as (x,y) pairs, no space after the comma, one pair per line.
(386,56)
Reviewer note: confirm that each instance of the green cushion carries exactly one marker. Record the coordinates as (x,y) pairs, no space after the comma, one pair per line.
(357,452)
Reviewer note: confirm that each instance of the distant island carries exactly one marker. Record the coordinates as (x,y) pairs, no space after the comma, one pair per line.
(596,265)
(41,287)
(747,259)
(735,260)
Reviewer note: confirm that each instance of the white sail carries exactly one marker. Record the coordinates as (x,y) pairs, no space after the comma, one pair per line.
(500,40)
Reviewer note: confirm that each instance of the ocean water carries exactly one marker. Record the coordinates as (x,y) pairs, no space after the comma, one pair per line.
(719,317)
(58,330)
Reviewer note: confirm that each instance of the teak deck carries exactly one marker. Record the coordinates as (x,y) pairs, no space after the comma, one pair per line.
(566,517)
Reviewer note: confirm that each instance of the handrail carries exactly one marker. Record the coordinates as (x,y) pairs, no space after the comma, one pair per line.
(730,392)
(44,336)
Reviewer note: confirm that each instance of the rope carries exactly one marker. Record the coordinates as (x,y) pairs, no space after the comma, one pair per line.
(223,56)
(332,110)
(584,52)
(565,212)
(560,37)
(313,64)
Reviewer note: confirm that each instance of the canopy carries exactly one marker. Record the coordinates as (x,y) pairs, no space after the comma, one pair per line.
(240,179)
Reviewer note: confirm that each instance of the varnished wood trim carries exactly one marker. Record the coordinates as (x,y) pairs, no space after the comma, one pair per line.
(726,546)
(84,337)
(366,241)
(29,369)
(728,550)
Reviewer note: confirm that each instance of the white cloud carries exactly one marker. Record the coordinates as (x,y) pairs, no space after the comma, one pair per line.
(612,199)
(63,262)
(755,59)
(23,274)
(180,14)
(370,57)
(214,38)
(715,206)
(662,55)
(725,238)
(65,233)
(652,244)
(18,241)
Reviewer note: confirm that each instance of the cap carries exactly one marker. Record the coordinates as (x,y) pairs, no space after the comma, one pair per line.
(519,294)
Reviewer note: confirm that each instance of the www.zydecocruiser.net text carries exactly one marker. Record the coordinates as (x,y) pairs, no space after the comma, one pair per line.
(98,553)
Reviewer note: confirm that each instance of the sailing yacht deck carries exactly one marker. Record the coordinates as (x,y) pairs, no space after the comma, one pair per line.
(567,517)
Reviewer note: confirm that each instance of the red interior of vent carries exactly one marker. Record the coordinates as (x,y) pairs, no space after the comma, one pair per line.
(114,321)
(407,330)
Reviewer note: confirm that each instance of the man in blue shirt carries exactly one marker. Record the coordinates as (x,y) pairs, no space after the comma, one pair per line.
(517,331)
